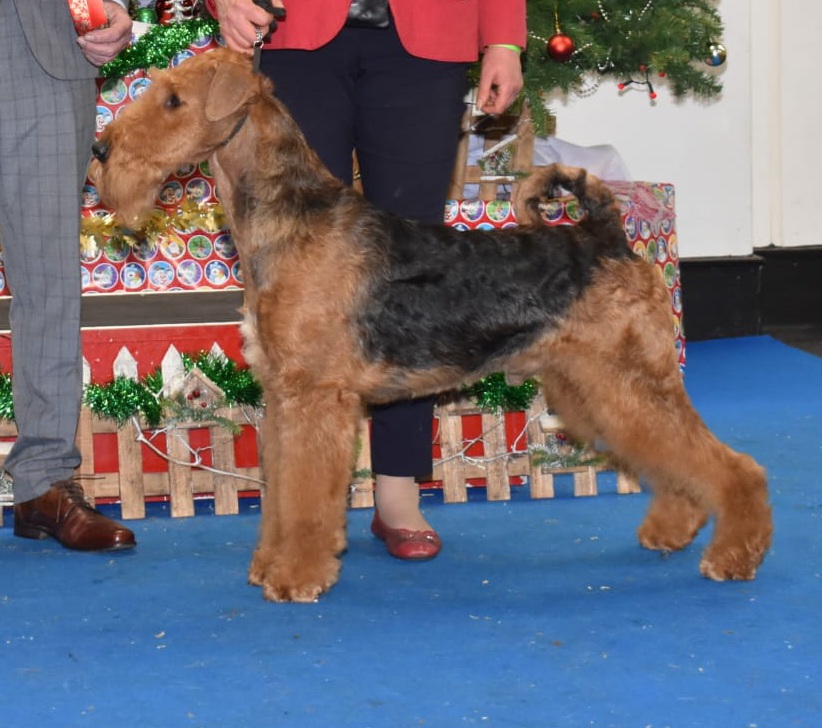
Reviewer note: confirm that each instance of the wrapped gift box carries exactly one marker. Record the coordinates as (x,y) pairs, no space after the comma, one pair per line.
(648,216)
(183,257)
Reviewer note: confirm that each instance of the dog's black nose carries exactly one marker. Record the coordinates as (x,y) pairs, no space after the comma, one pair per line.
(100,150)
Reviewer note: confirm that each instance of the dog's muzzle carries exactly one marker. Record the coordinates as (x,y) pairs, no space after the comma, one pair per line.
(100,150)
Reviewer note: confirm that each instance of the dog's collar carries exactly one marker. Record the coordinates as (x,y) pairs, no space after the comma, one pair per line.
(234,132)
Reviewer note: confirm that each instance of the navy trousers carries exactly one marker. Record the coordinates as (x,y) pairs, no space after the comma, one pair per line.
(364,92)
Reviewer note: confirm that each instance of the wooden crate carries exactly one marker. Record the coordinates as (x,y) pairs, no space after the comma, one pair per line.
(512,134)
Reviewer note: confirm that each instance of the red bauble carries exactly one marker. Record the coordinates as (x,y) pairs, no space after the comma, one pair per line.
(560,47)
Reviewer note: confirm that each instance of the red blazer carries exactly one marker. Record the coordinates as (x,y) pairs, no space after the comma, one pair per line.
(441,30)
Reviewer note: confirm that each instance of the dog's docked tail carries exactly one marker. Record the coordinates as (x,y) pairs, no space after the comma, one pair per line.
(556,180)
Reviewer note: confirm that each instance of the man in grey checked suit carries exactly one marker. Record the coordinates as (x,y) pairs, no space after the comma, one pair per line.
(47,117)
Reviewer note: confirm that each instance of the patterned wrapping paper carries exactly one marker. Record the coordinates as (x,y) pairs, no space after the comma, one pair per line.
(648,216)
(183,259)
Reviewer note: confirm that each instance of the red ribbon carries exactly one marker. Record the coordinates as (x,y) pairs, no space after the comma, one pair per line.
(87,15)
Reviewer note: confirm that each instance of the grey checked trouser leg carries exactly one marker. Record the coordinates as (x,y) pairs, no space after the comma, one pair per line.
(46,128)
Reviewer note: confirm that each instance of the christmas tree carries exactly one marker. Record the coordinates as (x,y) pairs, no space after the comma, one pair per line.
(573,44)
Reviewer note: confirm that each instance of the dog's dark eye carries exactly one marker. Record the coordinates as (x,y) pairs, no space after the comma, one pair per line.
(173,101)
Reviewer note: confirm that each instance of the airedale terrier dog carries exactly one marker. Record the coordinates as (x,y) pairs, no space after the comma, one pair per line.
(347,306)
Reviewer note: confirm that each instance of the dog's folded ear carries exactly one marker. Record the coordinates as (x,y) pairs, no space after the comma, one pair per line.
(232,86)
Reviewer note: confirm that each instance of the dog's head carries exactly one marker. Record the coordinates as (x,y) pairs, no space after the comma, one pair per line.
(186,114)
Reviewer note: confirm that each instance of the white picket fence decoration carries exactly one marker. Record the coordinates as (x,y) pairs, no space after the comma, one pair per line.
(190,476)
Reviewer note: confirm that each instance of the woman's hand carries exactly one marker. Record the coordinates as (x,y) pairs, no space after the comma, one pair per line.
(239,20)
(500,79)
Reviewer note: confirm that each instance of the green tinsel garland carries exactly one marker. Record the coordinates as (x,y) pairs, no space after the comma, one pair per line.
(6,406)
(123,398)
(494,394)
(159,45)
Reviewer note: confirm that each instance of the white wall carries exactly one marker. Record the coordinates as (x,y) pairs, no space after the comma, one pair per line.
(743,164)
(796,95)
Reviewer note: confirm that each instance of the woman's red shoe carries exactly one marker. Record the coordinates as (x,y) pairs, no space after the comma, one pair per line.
(405,544)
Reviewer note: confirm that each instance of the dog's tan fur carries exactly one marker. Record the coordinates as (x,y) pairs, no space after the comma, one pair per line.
(313,252)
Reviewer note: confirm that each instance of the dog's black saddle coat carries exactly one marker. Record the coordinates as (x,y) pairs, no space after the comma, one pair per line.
(499,289)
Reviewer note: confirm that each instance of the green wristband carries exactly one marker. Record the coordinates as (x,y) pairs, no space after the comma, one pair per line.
(509,46)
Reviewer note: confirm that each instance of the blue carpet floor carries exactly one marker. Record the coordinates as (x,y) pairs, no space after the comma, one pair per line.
(537,613)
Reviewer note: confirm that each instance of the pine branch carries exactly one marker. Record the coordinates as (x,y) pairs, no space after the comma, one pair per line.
(666,41)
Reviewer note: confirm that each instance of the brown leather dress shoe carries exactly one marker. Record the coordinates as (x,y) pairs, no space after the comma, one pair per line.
(62,513)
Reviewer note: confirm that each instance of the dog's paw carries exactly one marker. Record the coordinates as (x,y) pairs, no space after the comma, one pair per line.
(739,545)
(302,582)
(729,566)
(721,563)
(301,595)
(260,563)
(657,539)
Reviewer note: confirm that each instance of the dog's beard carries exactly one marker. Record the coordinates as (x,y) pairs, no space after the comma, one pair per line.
(132,204)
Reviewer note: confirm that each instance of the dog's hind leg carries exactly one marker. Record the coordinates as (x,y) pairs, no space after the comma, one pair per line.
(611,374)
(691,474)
(308,459)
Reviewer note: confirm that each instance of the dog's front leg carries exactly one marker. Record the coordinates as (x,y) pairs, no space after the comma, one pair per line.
(268,444)
(308,459)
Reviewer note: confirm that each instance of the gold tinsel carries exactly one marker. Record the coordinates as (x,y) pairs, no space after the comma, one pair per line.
(98,230)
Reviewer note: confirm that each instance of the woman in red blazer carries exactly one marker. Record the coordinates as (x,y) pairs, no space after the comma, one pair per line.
(439,30)
(395,93)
